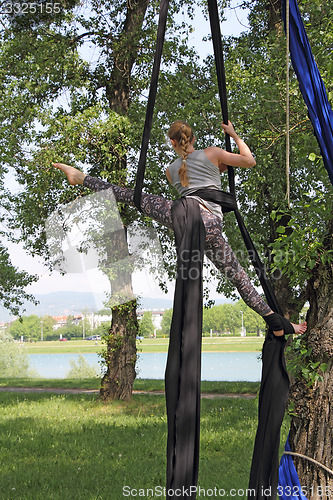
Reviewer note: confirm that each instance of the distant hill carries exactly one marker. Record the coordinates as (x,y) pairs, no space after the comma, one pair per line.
(59,303)
(152,303)
(64,303)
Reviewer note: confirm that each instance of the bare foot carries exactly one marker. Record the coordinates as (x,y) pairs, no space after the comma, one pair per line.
(300,328)
(74,176)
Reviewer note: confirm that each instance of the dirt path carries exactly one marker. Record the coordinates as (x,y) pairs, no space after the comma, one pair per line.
(52,390)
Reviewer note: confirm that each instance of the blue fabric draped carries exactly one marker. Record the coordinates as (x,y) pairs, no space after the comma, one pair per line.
(311,85)
(289,485)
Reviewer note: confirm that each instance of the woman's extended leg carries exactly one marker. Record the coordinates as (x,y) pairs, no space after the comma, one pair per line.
(217,248)
(220,253)
(156,207)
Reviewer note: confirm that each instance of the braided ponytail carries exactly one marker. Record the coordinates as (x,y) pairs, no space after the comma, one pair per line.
(182,133)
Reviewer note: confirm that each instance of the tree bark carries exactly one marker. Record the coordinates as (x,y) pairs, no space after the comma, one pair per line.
(120,356)
(311,431)
(118,88)
(274,10)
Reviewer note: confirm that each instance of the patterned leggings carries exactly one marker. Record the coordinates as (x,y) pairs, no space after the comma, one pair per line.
(217,248)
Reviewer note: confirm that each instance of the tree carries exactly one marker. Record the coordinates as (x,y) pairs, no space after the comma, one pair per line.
(12,283)
(46,47)
(291,238)
(30,327)
(166,322)
(226,318)
(297,240)
(146,325)
(311,432)
(81,369)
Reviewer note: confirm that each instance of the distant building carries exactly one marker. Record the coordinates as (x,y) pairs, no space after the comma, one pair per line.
(60,321)
(94,320)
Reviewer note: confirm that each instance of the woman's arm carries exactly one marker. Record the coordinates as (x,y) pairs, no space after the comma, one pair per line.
(168,175)
(222,158)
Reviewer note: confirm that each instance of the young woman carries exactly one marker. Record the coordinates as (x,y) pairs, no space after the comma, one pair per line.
(193,170)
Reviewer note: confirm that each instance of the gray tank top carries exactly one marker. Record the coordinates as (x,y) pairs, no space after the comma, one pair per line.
(202,173)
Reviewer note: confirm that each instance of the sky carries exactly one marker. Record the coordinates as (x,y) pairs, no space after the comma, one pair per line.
(93,280)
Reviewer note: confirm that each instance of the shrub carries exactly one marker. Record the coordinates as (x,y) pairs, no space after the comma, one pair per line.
(82,369)
(14,361)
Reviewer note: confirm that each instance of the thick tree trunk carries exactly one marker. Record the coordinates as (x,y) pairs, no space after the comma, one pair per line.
(120,357)
(120,354)
(311,431)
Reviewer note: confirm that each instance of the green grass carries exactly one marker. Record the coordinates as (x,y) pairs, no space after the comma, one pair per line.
(206,386)
(56,347)
(139,384)
(76,447)
(64,383)
(214,344)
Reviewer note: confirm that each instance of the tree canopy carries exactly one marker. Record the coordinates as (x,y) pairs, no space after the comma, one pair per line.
(66,101)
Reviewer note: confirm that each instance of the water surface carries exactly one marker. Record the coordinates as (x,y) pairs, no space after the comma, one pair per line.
(220,366)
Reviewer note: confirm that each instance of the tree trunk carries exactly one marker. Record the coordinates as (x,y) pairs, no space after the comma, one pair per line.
(120,356)
(274,9)
(118,89)
(311,431)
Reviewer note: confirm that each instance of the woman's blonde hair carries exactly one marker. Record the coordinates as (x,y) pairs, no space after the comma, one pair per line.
(182,133)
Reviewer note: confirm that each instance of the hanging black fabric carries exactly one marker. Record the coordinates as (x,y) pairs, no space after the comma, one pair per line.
(183,370)
(273,395)
(164,6)
(272,398)
(220,71)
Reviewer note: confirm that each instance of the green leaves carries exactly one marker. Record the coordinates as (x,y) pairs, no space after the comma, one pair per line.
(12,284)
(146,325)
(301,364)
(227,318)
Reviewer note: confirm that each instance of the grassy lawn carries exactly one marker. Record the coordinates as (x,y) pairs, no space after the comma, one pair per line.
(56,347)
(76,447)
(214,344)
(139,385)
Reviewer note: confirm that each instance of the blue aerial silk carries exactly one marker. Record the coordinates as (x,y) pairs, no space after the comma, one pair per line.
(311,84)
(289,485)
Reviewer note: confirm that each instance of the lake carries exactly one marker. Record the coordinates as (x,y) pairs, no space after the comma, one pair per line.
(220,366)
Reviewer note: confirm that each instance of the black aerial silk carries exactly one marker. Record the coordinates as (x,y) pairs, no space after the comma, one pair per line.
(183,366)
(183,370)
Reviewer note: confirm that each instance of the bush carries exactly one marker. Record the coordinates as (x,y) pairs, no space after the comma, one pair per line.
(14,361)
(82,369)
